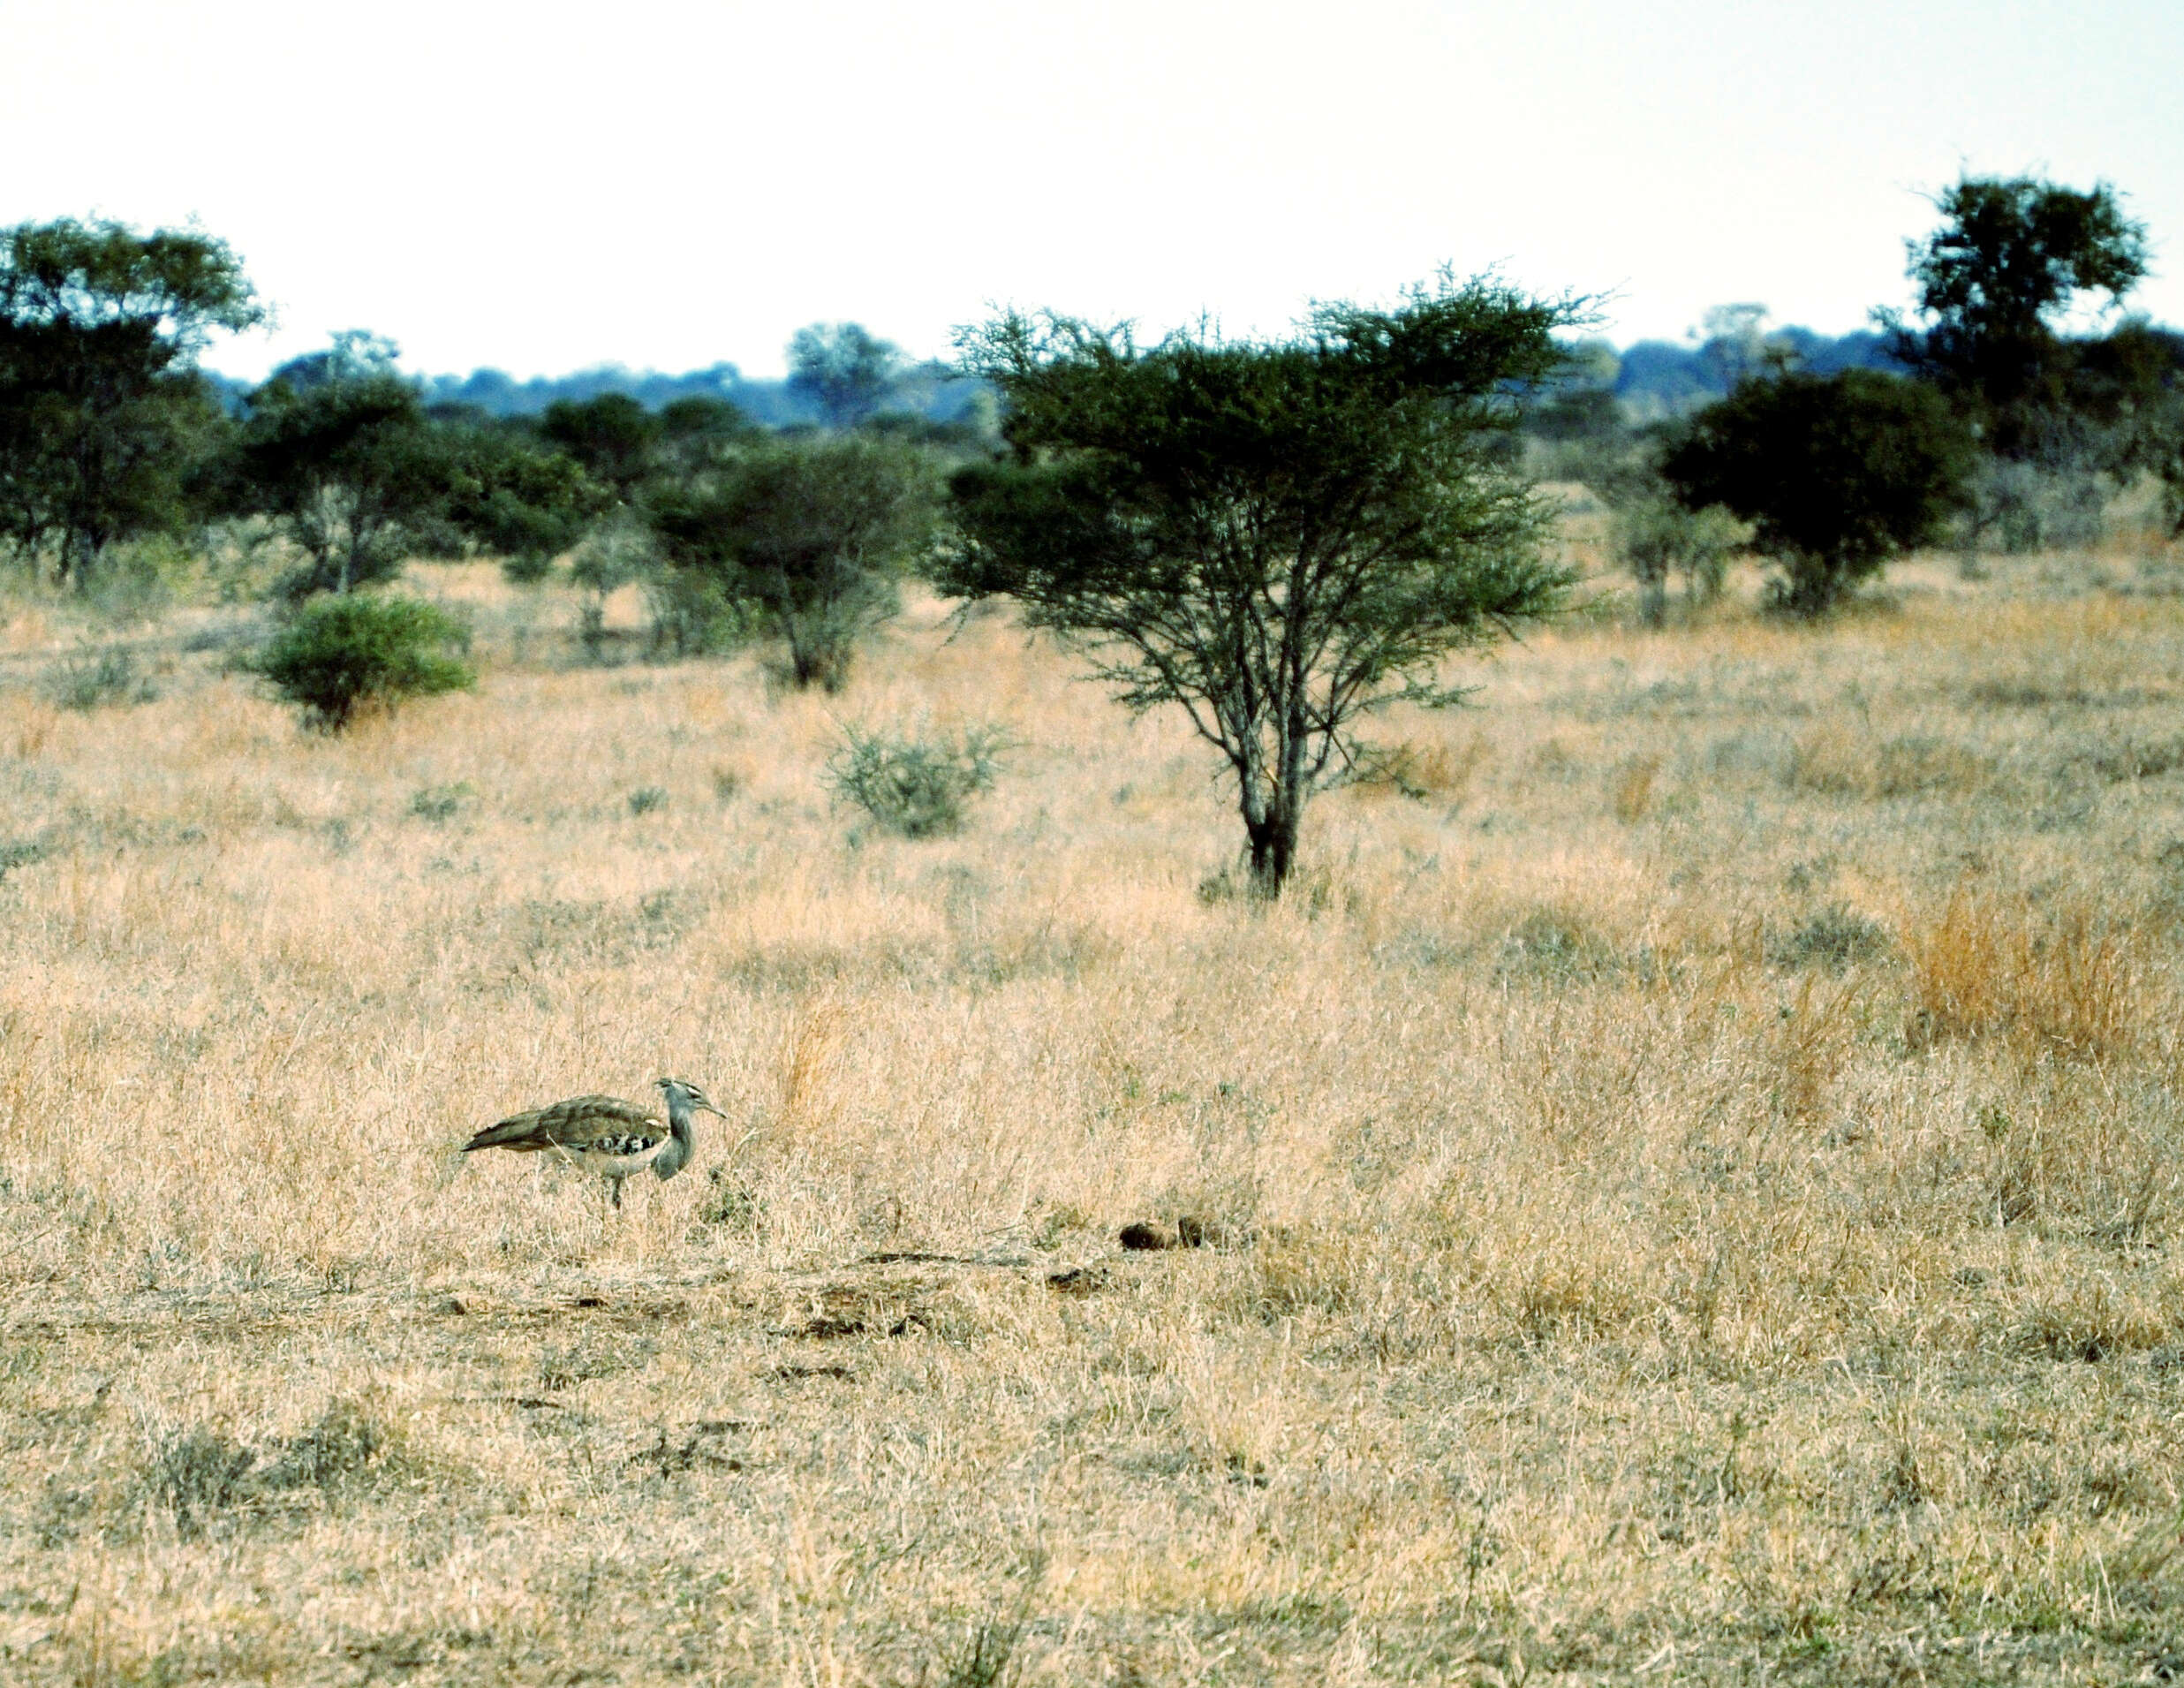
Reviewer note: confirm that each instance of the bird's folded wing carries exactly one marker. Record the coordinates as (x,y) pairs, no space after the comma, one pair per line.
(573,1124)
(582,1120)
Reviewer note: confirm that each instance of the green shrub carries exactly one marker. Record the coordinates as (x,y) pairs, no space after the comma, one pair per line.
(1837,473)
(335,1452)
(197,1475)
(442,803)
(20,852)
(1833,938)
(202,1476)
(803,539)
(1656,537)
(99,675)
(344,653)
(693,615)
(914,787)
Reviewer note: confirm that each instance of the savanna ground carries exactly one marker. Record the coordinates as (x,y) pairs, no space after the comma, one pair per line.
(1700,1171)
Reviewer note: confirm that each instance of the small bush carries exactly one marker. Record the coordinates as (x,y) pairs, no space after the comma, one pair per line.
(693,615)
(1833,939)
(1654,538)
(20,852)
(916,788)
(97,676)
(345,653)
(1837,473)
(647,799)
(335,1452)
(439,803)
(197,1475)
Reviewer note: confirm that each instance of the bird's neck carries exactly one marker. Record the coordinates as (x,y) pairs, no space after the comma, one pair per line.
(680,1118)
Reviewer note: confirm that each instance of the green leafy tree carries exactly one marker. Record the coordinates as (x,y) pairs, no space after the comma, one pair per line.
(103,416)
(846,371)
(341,654)
(338,450)
(1837,473)
(808,536)
(613,437)
(1278,537)
(2011,257)
(698,432)
(509,496)
(1737,347)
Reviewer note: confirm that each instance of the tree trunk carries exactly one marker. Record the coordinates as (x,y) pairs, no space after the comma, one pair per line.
(1272,834)
(77,550)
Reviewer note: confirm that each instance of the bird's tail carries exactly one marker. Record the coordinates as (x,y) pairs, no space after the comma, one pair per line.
(516,1134)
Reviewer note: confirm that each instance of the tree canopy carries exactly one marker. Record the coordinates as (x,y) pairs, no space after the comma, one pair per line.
(845,370)
(810,534)
(343,456)
(2011,258)
(101,411)
(612,436)
(1278,537)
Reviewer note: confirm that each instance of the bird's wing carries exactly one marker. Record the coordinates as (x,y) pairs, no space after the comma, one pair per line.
(575,1124)
(583,1120)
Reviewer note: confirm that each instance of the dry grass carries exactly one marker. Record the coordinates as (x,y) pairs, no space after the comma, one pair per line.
(1697,1175)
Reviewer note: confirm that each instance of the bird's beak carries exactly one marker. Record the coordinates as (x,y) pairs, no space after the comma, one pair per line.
(710,1109)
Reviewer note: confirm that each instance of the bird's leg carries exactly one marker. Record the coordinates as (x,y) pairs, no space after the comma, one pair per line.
(616,1184)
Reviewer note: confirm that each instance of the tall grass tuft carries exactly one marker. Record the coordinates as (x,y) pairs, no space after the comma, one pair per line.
(2066,982)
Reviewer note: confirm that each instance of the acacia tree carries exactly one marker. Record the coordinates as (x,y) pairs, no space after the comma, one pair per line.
(844,368)
(101,408)
(2010,259)
(338,450)
(1277,537)
(810,536)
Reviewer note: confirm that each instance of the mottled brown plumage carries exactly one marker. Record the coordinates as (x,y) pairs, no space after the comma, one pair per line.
(605,1134)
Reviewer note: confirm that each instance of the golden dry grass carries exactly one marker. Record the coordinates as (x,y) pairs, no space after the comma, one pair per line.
(1701,1177)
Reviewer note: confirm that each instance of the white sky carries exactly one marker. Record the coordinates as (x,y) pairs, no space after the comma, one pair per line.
(544,187)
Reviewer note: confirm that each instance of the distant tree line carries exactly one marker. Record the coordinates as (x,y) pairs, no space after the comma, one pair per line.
(931,389)
(111,433)
(1978,415)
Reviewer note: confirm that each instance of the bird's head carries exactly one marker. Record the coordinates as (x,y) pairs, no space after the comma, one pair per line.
(688,1095)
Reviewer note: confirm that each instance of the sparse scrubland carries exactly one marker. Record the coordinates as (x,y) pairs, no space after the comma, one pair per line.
(1695,1151)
